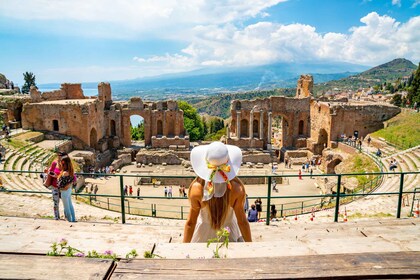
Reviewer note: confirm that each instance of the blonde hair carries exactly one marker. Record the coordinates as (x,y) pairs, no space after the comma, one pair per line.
(218,206)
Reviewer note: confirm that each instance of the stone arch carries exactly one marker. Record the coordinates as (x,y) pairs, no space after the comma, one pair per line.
(159,129)
(332,165)
(238,105)
(301,125)
(255,129)
(93,138)
(244,128)
(55,125)
(112,128)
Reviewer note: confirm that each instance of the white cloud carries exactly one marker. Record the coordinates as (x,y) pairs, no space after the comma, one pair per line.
(416,2)
(132,18)
(376,40)
(396,2)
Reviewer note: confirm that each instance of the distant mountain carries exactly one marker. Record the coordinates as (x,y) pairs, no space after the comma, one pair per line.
(222,80)
(387,72)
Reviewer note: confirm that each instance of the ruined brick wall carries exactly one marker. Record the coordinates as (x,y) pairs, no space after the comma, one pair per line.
(364,118)
(304,86)
(82,119)
(162,120)
(73,91)
(260,113)
(330,120)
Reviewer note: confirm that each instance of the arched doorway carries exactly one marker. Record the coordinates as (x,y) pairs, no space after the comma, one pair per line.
(112,129)
(255,129)
(300,128)
(93,138)
(323,137)
(244,128)
(137,130)
(331,166)
(159,128)
(277,132)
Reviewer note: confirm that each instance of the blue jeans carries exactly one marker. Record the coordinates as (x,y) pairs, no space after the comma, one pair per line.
(68,206)
(56,199)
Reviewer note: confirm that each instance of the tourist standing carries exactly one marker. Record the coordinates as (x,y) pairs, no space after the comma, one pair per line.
(95,190)
(65,184)
(311,172)
(165,189)
(258,205)
(170,191)
(138,193)
(51,183)
(216,196)
(131,190)
(300,174)
(125,190)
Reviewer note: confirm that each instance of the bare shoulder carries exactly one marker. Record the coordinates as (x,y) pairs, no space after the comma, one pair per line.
(238,188)
(196,191)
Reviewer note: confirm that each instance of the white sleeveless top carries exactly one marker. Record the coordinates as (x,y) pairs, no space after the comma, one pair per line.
(203,230)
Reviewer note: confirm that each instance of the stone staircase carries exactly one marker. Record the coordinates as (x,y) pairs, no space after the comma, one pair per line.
(27,158)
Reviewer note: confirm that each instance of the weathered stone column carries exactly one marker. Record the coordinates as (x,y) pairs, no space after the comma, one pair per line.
(227,132)
(269,130)
(251,125)
(164,128)
(238,124)
(261,124)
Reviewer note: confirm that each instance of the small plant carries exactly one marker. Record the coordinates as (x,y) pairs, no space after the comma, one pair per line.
(132,254)
(63,249)
(222,238)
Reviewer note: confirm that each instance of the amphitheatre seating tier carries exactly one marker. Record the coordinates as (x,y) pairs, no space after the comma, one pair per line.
(354,250)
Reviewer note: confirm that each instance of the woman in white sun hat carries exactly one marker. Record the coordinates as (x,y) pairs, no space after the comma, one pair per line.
(217,196)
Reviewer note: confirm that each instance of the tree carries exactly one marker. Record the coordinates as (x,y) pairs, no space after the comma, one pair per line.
(397,100)
(192,121)
(137,133)
(29,78)
(414,89)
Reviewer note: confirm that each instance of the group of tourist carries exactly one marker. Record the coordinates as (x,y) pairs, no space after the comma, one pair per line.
(104,170)
(128,191)
(60,178)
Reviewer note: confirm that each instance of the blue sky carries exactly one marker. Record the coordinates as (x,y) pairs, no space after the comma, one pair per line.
(105,40)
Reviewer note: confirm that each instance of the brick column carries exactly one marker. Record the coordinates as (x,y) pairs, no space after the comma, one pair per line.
(251,125)
(238,124)
(269,128)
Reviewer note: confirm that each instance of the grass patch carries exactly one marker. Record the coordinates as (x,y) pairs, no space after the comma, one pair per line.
(362,215)
(16,143)
(402,131)
(28,135)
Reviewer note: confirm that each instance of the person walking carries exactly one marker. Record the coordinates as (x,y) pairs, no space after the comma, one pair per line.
(170,191)
(216,195)
(138,193)
(300,174)
(65,184)
(165,189)
(131,190)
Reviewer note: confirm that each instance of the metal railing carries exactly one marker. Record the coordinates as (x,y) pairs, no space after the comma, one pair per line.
(125,204)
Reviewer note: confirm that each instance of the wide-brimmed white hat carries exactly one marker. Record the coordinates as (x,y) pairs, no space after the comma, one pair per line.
(216,154)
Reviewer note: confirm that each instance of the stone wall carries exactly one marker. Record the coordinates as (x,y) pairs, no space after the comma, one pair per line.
(157,157)
(252,121)
(304,86)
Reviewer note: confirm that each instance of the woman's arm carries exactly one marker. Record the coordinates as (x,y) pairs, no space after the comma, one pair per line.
(238,194)
(196,195)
